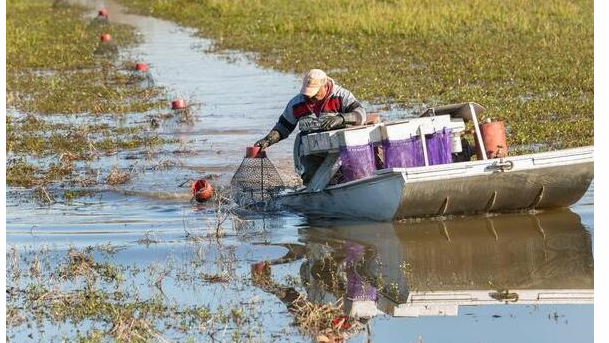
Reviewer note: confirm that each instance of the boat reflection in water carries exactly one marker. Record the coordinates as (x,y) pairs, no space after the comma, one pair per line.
(430,268)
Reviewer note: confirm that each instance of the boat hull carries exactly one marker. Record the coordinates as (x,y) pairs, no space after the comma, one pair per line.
(536,181)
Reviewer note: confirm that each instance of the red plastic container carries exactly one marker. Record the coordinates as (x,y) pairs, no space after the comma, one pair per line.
(254,152)
(178,104)
(103,13)
(141,67)
(106,38)
(372,118)
(495,143)
(201,190)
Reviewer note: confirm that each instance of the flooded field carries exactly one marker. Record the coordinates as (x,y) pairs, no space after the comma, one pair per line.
(138,262)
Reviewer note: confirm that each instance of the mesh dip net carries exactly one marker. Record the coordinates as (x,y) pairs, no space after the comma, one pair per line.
(256,181)
(357,161)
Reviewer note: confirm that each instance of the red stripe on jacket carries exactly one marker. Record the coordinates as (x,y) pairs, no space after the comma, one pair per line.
(303,109)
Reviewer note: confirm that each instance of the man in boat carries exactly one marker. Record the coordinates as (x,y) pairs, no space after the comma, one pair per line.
(321,105)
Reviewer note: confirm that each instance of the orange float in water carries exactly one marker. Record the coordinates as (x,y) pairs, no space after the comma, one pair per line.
(178,104)
(493,136)
(259,267)
(141,67)
(202,190)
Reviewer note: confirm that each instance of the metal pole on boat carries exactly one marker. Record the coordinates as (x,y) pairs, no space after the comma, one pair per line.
(477,130)
(424,144)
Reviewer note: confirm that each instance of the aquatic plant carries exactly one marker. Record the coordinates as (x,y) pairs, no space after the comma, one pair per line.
(95,294)
(52,73)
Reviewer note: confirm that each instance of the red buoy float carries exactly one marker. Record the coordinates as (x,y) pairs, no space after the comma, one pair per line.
(106,37)
(178,104)
(141,67)
(259,267)
(341,321)
(102,13)
(201,190)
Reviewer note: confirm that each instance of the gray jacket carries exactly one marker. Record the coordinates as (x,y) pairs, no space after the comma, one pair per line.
(339,100)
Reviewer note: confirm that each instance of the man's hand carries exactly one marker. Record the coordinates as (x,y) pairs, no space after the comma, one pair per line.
(308,124)
(270,139)
(330,122)
(263,144)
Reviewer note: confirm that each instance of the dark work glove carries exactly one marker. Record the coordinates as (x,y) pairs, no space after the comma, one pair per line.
(308,124)
(331,122)
(270,139)
(351,118)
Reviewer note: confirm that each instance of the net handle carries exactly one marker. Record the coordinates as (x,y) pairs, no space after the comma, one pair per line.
(262,177)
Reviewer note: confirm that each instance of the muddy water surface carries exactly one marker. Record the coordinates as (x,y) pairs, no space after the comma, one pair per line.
(518,277)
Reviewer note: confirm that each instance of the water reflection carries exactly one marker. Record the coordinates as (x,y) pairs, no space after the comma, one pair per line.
(431,268)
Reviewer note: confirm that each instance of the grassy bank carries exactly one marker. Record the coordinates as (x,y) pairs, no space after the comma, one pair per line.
(528,62)
(53,71)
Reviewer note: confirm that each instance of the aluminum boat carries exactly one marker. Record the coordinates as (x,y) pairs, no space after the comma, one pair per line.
(512,183)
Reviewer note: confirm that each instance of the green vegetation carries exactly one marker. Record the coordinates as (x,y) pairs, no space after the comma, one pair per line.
(110,301)
(79,141)
(528,62)
(86,290)
(48,288)
(51,65)
(53,71)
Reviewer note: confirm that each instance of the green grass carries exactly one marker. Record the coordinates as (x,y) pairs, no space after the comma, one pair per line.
(51,65)
(42,36)
(528,62)
(26,137)
(80,91)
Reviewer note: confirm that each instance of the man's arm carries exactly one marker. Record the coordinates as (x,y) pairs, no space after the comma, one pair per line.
(282,129)
(268,140)
(351,110)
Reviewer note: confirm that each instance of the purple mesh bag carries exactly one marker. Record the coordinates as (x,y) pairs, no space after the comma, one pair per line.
(403,153)
(438,147)
(355,252)
(358,289)
(357,161)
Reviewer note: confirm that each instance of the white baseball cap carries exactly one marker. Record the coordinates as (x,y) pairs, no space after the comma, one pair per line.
(312,81)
